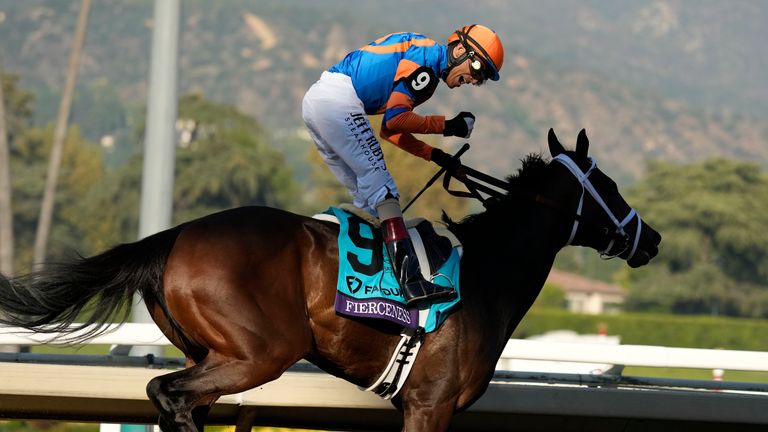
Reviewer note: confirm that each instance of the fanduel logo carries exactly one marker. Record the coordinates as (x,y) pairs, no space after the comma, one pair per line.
(386,291)
(354,284)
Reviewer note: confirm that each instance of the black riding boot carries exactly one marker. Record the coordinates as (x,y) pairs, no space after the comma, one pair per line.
(405,264)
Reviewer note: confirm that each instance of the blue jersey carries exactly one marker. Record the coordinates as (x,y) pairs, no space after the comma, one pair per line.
(377,68)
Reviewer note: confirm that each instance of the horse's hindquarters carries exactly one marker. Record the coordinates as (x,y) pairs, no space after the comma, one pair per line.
(233,283)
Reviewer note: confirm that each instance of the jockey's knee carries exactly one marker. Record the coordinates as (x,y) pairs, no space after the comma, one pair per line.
(386,193)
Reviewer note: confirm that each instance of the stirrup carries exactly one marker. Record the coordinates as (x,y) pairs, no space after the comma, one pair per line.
(420,290)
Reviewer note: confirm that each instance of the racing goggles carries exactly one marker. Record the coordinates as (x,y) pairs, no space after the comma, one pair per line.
(477,68)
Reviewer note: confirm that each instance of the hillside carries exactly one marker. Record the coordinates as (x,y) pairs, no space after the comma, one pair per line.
(649,80)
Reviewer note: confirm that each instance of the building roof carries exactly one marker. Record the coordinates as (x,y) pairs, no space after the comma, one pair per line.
(572,283)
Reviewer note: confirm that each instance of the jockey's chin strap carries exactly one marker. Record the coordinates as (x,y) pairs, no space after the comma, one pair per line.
(586,185)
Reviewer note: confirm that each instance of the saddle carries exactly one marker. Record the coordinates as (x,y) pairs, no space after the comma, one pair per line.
(436,240)
(366,285)
(367,288)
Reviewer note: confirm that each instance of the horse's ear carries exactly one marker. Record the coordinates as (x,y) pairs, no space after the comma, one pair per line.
(555,148)
(582,144)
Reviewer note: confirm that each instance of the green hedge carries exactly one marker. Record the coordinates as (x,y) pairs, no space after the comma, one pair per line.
(653,329)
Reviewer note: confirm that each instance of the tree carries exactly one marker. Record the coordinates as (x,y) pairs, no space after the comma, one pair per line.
(15,115)
(551,296)
(228,163)
(18,106)
(714,255)
(6,194)
(82,170)
(223,160)
(6,212)
(49,195)
(116,200)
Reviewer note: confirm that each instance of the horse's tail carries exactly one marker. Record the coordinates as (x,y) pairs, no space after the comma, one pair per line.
(95,291)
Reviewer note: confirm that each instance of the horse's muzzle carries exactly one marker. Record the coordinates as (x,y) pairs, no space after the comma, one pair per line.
(648,247)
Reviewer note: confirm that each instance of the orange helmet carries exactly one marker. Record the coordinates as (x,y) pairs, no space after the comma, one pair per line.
(479,41)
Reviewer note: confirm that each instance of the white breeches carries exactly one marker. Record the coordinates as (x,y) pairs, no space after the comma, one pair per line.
(340,128)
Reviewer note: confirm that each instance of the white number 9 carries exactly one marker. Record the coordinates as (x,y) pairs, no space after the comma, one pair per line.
(421,81)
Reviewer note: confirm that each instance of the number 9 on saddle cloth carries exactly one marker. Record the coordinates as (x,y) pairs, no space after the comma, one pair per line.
(367,286)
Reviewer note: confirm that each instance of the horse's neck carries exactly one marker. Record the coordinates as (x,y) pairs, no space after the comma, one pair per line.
(508,276)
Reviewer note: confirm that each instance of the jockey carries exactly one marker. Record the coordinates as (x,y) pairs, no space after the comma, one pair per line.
(392,76)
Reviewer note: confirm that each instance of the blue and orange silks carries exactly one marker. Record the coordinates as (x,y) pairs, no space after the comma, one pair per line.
(391,76)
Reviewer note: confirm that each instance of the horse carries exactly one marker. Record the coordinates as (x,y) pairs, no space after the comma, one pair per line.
(247,292)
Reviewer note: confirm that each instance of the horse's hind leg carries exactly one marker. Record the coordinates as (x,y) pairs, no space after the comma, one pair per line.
(177,394)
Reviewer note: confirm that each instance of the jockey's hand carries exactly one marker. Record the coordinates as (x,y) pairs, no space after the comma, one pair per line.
(460,126)
(444,160)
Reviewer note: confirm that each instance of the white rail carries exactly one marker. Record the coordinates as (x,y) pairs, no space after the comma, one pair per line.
(637,355)
(627,355)
(69,392)
(126,334)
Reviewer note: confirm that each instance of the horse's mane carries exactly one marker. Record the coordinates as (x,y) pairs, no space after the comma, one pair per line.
(528,176)
(531,171)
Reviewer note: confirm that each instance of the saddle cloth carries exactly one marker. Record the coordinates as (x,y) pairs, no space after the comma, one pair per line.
(366,285)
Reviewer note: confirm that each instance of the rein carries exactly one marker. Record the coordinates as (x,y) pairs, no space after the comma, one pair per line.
(471,178)
(478,183)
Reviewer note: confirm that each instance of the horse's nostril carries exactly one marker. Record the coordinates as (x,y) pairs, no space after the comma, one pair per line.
(657,238)
(640,259)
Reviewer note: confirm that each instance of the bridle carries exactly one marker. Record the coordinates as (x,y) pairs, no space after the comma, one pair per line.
(478,183)
(586,185)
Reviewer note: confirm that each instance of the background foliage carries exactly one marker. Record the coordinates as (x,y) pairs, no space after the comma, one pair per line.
(228,162)
(648,79)
(714,258)
(653,329)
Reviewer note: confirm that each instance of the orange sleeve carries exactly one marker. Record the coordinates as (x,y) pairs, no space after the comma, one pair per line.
(407,142)
(405,120)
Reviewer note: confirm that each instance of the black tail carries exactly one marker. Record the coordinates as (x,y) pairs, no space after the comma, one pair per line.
(95,291)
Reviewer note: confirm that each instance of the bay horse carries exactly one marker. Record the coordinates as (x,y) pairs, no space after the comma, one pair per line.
(246,293)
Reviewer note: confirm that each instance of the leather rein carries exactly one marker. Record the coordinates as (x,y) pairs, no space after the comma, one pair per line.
(479,183)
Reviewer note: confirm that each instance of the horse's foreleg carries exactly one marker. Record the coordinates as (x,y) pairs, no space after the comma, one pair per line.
(428,417)
(200,414)
(182,397)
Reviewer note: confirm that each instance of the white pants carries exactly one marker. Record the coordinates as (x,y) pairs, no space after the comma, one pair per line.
(340,128)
